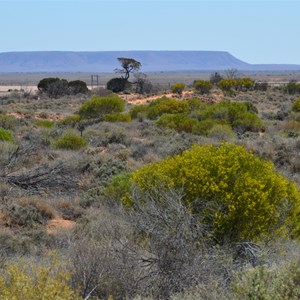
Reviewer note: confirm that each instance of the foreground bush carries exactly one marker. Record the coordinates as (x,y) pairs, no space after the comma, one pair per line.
(19,281)
(97,107)
(280,282)
(236,194)
(71,141)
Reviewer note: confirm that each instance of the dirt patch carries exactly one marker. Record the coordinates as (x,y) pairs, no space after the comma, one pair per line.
(57,224)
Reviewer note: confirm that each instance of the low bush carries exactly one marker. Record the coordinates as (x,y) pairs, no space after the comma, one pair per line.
(71,120)
(179,122)
(97,107)
(137,111)
(178,88)
(117,117)
(276,282)
(5,135)
(20,280)
(166,106)
(70,141)
(203,86)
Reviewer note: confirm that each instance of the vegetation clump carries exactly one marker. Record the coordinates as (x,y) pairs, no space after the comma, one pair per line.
(5,135)
(238,195)
(97,107)
(70,141)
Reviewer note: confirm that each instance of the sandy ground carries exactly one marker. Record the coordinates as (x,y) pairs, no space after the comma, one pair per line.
(57,224)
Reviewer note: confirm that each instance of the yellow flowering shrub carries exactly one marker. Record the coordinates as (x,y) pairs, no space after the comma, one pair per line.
(20,281)
(238,195)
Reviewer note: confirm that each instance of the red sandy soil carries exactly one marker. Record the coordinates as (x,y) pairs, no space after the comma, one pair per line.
(56,224)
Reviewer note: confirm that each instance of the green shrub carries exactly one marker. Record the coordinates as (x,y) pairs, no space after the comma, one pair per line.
(195,104)
(226,85)
(236,194)
(296,105)
(204,127)
(166,106)
(97,107)
(44,123)
(276,282)
(138,110)
(178,88)
(179,122)
(221,132)
(70,120)
(117,117)
(70,140)
(5,135)
(203,86)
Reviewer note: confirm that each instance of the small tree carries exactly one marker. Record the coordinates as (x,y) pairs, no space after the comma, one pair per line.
(129,65)
(203,86)
(178,88)
(53,87)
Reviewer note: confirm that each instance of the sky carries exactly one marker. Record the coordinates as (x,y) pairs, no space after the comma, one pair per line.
(253,31)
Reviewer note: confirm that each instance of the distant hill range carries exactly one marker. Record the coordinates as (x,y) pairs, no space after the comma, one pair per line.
(106,61)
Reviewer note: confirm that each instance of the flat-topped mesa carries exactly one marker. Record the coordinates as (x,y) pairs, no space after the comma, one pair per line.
(106,61)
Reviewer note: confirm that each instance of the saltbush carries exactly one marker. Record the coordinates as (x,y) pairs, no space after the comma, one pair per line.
(280,282)
(166,106)
(117,117)
(97,107)
(138,110)
(236,194)
(70,140)
(203,86)
(5,135)
(179,122)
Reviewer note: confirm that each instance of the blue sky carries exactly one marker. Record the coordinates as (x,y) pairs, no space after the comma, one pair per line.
(253,31)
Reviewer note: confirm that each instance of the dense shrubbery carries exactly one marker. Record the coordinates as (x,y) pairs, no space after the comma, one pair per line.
(5,135)
(97,107)
(236,194)
(70,140)
(56,87)
(241,84)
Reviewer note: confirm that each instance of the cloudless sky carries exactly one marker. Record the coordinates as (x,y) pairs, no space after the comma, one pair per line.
(254,31)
